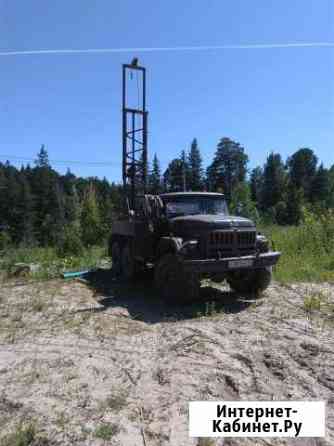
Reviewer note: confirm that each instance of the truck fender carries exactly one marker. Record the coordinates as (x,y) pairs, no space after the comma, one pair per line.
(169,245)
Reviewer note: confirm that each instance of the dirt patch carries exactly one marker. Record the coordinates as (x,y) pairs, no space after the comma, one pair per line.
(103,362)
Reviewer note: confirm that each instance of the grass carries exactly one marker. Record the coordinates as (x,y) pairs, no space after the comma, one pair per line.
(106,431)
(38,305)
(24,436)
(62,420)
(115,402)
(206,442)
(313,303)
(318,303)
(49,262)
(307,250)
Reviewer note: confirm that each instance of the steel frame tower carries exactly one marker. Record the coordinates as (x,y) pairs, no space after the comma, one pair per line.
(134,135)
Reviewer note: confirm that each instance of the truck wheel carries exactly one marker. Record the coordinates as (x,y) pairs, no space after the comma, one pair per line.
(116,258)
(173,283)
(254,281)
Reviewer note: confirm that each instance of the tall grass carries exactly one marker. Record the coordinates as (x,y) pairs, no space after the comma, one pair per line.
(307,250)
(49,263)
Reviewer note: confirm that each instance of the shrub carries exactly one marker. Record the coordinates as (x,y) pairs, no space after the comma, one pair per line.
(71,243)
(106,431)
(91,224)
(312,303)
(5,240)
(24,436)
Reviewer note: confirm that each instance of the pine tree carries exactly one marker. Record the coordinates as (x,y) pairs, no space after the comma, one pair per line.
(53,216)
(320,187)
(330,199)
(38,205)
(3,195)
(274,180)
(92,231)
(294,204)
(49,201)
(228,168)
(106,206)
(71,201)
(12,214)
(25,206)
(5,240)
(185,175)
(241,202)
(173,176)
(256,184)
(196,181)
(177,175)
(42,158)
(155,185)
(116,196)
(302,167)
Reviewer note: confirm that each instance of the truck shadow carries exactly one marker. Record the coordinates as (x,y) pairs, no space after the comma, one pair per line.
(142,302)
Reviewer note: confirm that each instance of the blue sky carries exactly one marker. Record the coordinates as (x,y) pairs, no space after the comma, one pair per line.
(277,99)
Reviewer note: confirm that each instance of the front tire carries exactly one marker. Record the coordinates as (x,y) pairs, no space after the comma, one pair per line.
(254,281)
(173,283)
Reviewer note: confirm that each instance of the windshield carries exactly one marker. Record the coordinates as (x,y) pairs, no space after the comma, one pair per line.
(178,206)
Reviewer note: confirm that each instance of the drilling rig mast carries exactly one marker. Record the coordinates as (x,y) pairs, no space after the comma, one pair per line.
(134,133)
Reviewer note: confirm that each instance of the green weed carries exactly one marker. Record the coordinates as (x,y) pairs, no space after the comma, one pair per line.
(319,303)
(38,305)
(24,436)
(115,402)
(62,420)
(313,303)
(206,442)
(106,431)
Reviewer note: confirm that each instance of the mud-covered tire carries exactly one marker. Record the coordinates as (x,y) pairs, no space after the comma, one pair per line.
(173,283)
(255,281)
(116,257)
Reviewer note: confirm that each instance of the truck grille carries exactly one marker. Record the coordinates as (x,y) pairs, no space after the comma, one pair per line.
(230,243)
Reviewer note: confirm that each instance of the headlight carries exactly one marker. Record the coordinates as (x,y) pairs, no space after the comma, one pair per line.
(262,243)
(189,246)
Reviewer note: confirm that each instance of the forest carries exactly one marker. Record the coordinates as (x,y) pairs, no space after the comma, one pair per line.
(41,208)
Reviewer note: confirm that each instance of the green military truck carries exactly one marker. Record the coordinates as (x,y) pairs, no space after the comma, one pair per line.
(187,236)
(184,236)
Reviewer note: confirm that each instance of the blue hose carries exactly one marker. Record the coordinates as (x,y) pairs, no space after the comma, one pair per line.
(73,274)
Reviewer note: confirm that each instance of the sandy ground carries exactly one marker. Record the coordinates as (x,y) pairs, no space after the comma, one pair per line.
(76,357)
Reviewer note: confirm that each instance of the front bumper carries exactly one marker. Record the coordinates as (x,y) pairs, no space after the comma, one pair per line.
(232,263)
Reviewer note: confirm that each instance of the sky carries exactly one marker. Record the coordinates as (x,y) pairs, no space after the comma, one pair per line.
(268,99)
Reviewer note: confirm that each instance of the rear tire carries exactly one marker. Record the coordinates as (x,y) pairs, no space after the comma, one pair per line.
(116,258)
(173,283)
(254,281)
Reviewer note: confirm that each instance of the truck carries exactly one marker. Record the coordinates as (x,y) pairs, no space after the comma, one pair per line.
(188,236)
(183,236)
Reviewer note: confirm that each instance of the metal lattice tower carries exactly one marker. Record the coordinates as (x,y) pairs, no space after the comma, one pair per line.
(134,133)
